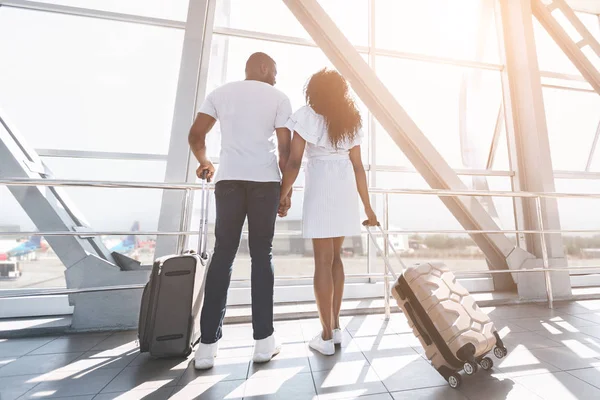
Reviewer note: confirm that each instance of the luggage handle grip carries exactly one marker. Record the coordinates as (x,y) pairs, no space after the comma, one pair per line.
(386,259)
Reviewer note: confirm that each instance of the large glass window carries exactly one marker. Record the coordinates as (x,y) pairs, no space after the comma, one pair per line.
(272,16)
(431,95)
(171,9)
(572,119)
(446,28)
(90,85)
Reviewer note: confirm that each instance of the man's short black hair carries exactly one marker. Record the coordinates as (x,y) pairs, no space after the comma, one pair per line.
(256,60)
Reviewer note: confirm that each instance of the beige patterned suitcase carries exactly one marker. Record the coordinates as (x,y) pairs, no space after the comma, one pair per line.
(452,329)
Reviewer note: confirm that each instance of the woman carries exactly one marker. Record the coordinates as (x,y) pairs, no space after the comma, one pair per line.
(329,128)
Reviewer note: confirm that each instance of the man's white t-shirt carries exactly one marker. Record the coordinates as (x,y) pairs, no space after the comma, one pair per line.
(248,112)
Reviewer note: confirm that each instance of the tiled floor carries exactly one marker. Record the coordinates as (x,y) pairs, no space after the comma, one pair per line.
(554,354)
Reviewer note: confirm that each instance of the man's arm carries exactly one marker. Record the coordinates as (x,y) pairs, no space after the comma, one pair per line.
(284,140)
(197,140)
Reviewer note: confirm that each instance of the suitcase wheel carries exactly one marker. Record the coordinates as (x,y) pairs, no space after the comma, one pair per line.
(500,352)
(470,367)
(454,381)
(487,363)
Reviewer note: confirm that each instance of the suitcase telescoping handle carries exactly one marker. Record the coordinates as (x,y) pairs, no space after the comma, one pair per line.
(385,257)
(204,205)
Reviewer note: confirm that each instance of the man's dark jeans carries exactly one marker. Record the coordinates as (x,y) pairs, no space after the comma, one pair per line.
(236,200)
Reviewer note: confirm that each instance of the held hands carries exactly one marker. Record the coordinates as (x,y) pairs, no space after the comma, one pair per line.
(371,218)
(285,203)
(206,170)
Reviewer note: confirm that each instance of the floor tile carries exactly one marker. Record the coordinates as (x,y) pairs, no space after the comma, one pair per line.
(407,372)
(370,325)
(288,383)
(522,362)
(529,340)
(560,385)
(565,358)
(21,347)
(563,323)
(289,331)
(229,390)
(71,344)
(165,363)
(497,389)
(40,364)
(350,396)
(141,394)
(147,376)
(572,307)
(348,380)
(434,393)
(508,325)
(319,362)
(385,343)
(107,359)
(81,384)
(291,356)
(589,375)
(576,307)
(12,387)
(120,341)
(225,369)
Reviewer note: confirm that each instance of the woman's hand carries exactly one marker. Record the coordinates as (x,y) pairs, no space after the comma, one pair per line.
(371,218)
(285,203)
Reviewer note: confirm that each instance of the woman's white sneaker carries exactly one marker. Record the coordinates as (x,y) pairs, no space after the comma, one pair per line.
(337,336)
(205,355)
(325,347)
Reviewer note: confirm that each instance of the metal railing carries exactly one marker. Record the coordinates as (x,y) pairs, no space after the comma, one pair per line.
(190,187)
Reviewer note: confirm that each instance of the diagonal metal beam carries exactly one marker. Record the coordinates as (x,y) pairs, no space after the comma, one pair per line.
(427,160)
(496,138)
(564,41)
(588,165)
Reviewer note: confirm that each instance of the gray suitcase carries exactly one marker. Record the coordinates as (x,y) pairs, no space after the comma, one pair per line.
(169,324)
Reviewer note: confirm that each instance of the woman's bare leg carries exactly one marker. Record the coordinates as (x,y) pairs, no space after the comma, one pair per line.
(338,281)
(323,283)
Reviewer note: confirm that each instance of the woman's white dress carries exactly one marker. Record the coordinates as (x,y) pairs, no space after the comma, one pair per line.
(330,197)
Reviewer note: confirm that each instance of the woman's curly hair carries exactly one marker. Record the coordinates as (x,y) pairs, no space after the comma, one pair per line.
(327,94)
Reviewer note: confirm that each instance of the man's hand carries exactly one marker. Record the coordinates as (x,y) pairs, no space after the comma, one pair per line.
(285,204)
(206,170)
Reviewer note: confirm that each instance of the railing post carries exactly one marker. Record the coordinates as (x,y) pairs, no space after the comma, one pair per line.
(546,264)
(386,253)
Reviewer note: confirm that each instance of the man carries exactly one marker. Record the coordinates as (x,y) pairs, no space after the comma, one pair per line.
(250,112)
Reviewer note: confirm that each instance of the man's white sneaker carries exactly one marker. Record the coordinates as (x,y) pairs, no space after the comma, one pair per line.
(325,347)
(337,336)
(265,349)
(205,355)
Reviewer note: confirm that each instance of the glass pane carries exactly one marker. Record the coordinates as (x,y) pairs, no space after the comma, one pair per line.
(426,212)
(581,248)
(591,22)
(165,9)
(104,85)
(431,95)
(501,160)
(572,119)
(272,16)
(550,56)
(103,209)
(295,65)
(443,28)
